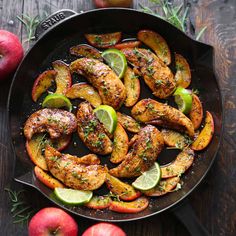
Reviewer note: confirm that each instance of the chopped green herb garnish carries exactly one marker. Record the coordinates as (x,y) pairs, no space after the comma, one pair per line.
(158,83)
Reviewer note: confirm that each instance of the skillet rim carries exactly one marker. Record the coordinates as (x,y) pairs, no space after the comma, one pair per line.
(59,24)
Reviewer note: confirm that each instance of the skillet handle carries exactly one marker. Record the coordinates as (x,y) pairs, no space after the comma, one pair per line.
(185,213)
(52,20)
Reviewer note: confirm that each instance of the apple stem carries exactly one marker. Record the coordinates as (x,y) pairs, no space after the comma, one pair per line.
(54,232)
(1,56)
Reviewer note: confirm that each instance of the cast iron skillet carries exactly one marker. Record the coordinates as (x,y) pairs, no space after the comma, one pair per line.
(55,44)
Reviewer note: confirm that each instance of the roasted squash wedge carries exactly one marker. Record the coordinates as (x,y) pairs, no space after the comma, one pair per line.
(99,202)
(205,135)
(165,186)
(128,44)
(43,82)
(120,144)
(175,139)
(196,112)
(124,191)
(63,77)
(132,86)
(84,50)
(35,147)
(128,122)
(47,179)
(135,206)
(182,162)
(103,40)
(157,43)
(183,72)
(86,92)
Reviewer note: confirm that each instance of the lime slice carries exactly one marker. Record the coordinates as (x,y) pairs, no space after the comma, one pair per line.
(72,196)
(183,99)
(107,115)
(149,179)
(116,60)
(57,101)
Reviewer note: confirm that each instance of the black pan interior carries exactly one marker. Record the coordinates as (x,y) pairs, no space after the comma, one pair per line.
(55,45)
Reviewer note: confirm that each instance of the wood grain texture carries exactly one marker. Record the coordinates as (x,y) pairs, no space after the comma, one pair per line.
(219,195)
(214,200)
(8,15)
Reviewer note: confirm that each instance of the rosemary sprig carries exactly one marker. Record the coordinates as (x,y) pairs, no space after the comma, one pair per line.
(21,210)
(176,15)
(30,24)
(199,35)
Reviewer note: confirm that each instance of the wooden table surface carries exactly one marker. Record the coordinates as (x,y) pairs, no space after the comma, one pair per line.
(214,201)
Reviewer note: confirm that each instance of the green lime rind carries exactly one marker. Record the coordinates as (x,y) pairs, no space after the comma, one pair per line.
(183,99)
(116,60)
(57,101)
(107,116)
(73,196)
(149,179)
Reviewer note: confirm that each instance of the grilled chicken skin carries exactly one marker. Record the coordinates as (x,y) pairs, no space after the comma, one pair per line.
(156,113)
(146,146)
(102,77)
(54,121)
(156,74)
(91,131)
(70,171)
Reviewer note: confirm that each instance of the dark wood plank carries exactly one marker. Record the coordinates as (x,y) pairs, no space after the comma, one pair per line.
(214,200)
(7,21)
(6,167)
(8,15)
(218,192)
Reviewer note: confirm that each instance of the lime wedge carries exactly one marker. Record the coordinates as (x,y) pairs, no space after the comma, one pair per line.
(57,101)
(116,60)
(72,196)
(149,179)
(107,115)
(183,99)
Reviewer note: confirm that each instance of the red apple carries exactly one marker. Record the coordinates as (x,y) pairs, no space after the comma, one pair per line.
(112,3)
(11,53)
(104,229)
(52,221)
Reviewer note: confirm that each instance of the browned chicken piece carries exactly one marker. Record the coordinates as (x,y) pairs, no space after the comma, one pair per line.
(143,153)
(91,130)
(103,78)
(72,173)
(156,74)
(152,112)
(182,162)
(54,121)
